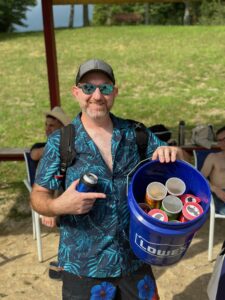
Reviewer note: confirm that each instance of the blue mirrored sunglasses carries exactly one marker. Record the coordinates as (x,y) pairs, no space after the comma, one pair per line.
(89,88)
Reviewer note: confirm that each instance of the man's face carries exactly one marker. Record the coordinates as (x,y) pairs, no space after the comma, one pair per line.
(96,105)
(51,125)
(221,140)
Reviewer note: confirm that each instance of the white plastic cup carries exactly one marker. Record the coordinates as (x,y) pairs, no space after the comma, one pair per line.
(175,186)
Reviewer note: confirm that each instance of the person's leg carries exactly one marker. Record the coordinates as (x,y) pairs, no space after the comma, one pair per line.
(139,285)
(219,205)
(76,288)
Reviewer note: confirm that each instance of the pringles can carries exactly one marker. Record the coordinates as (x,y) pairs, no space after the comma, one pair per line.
(189,198)
(190,211)
(155,192)
(158,214)
(87,183)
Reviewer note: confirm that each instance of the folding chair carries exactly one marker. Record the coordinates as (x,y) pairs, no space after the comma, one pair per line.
(31,168)
(199,158)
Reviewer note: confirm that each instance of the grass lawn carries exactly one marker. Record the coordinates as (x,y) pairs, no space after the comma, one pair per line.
(165,74)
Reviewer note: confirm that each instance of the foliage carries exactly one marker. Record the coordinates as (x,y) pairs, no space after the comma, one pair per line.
(13,12)
(166,13)
(161,13)
(212,13)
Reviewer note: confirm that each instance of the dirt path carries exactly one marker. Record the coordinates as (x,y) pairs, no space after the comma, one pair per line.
(23,277)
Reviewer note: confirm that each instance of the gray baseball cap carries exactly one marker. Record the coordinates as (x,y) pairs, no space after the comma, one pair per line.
(95,65)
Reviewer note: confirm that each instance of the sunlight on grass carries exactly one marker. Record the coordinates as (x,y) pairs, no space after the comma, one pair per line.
(165,74)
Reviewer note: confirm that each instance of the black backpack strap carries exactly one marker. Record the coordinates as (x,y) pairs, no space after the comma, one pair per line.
(141,138)
(66,148)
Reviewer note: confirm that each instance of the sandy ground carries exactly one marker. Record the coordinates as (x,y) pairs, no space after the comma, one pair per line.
(23,277)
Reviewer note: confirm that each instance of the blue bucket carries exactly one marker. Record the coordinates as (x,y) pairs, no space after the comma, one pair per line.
(164,243)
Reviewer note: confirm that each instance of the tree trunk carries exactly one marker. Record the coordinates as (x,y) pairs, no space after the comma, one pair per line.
(187,15)
(146,13)
(71,16)
(85,15)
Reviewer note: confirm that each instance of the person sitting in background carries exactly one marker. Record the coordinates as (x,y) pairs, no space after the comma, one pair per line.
(55,119)
(214,169)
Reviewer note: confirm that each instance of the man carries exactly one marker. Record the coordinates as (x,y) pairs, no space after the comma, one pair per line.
(55,119)
(94,249)
(214,168)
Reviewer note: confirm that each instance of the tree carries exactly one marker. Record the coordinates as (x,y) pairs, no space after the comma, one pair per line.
(71,16)
(13,12)
(85,15)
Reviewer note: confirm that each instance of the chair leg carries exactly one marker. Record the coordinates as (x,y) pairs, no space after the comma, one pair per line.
(211,235)
(33,224)
(38,236)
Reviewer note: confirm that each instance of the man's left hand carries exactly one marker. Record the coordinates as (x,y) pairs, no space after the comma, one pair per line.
(167,154)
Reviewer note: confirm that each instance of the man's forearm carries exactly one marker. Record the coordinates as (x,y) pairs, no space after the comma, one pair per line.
(42,202)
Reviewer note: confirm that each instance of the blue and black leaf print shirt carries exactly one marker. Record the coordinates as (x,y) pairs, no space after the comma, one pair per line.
(96,244)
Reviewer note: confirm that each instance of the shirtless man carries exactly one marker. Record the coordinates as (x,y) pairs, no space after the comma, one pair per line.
(214,168)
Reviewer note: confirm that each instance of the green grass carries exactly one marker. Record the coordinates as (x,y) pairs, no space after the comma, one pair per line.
(165,74)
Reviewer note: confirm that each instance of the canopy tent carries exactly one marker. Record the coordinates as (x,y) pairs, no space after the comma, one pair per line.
(49,35)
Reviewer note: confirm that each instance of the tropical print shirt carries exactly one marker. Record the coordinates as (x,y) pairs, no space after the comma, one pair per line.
(97,244)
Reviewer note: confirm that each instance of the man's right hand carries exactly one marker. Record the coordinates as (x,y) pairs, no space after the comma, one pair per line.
(74,202)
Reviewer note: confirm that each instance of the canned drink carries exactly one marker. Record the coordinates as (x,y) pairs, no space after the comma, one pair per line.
(155,192)
(189,198)
(190,211)
(172,205)
(145,207)
(158,214)
(87,183)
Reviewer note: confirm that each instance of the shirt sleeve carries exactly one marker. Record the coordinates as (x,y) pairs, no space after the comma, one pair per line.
(153,143)
(49,165)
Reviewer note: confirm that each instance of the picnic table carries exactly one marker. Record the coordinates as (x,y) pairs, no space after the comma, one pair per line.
(12,154)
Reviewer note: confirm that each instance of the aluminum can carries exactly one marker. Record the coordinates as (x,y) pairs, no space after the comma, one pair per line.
(87,183)
(158,214)
(155,192)
(190,211)
(189,198)
(145,207)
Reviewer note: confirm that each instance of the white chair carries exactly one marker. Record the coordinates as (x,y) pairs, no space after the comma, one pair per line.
(199,158)
(31,168)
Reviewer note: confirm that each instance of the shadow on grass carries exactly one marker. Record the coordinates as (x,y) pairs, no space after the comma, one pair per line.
(17,35)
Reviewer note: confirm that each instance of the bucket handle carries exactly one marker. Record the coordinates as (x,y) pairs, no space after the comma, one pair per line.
(134,169)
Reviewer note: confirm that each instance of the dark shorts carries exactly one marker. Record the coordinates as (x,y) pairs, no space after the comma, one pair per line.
(138,285)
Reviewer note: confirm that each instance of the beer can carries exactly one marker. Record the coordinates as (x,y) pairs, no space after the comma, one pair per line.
(155,192)
(87,183)
(158,214)
(189,198)
(190,211)
(145,207)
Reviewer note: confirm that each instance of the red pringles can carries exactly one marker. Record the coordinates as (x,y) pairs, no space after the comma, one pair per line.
(190,211)
(158,214)
(189,198)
